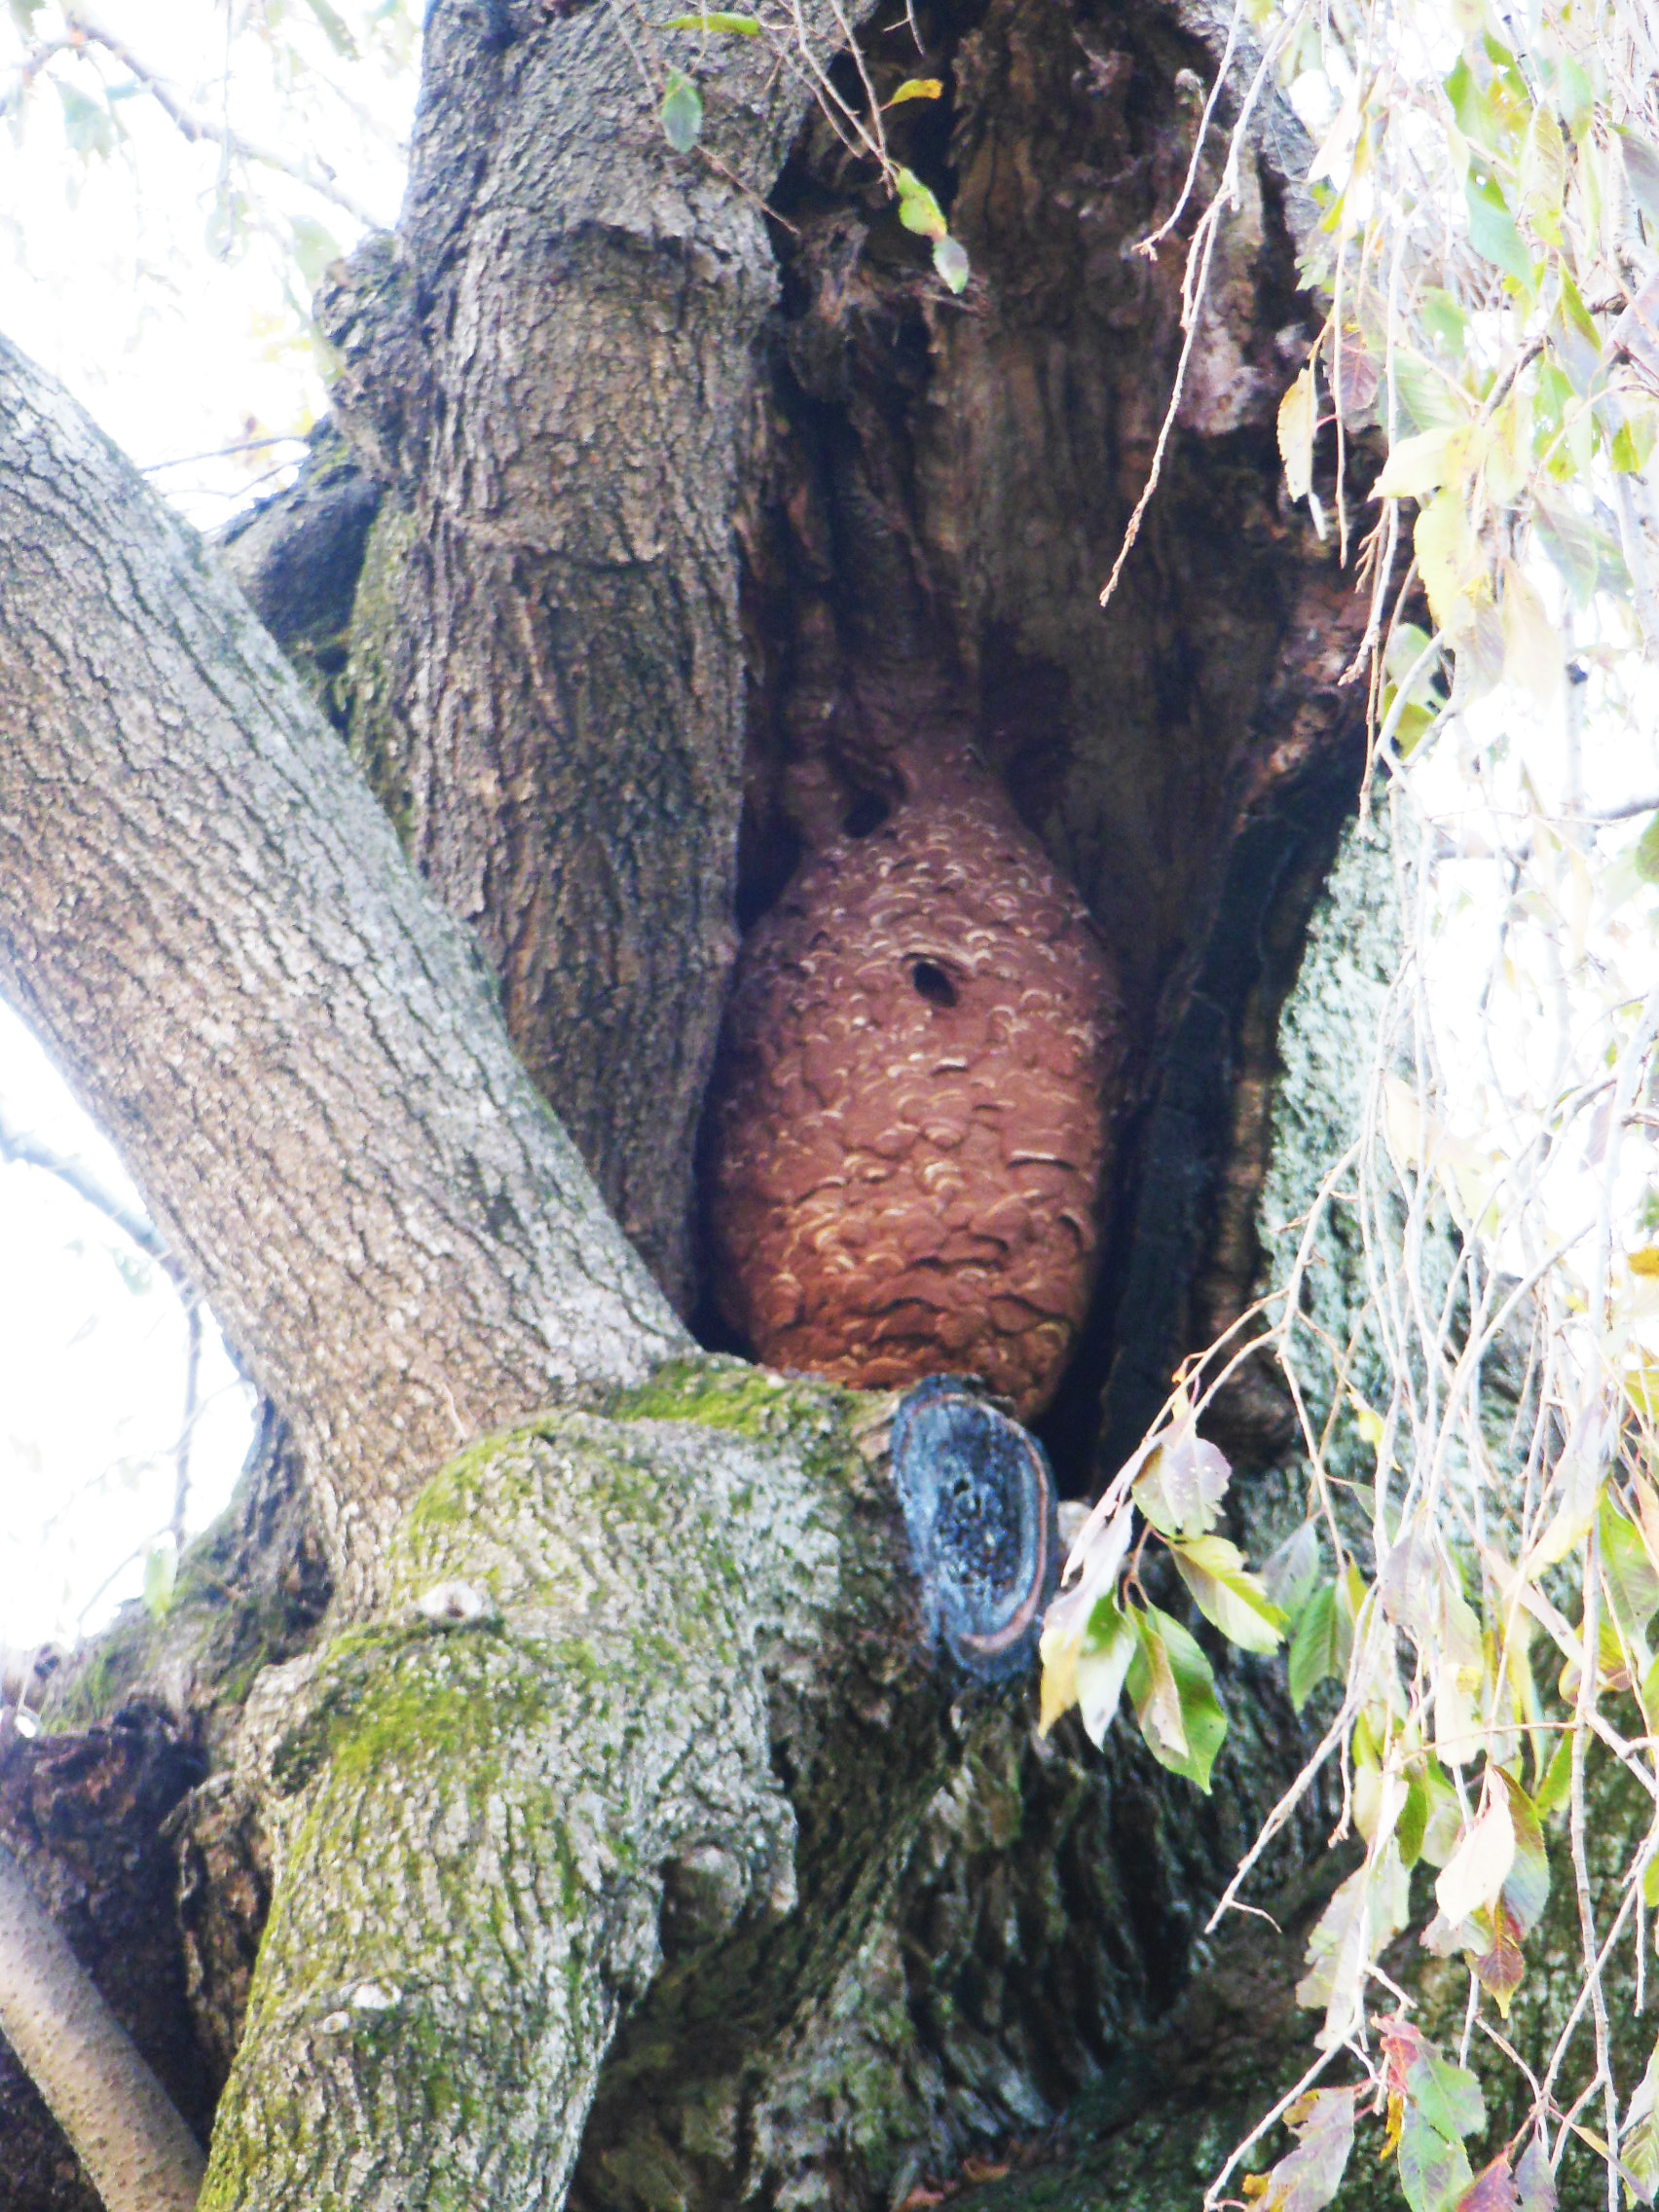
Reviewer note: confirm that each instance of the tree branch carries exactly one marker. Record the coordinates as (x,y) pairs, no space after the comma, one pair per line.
(139,2153)
(85,26)
(206,914)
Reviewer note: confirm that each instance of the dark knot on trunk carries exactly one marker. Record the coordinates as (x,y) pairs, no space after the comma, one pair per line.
(979,1505)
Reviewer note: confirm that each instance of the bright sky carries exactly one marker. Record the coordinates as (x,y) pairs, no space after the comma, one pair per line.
(166,289)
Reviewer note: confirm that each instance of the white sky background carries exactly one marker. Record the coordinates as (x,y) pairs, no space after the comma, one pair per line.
(182,332)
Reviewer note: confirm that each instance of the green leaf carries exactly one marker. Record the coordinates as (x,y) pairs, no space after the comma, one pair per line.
(1553,1791)
(1290,1576)
(681,113)
(918,210)
(24,13)
(1639,2137)
(1627,1573)
(1443,2104)
(917,89)
(1527,1886)
(334,29)
(717,20)
(314,247)
(88,124)
(1492,229)
(1321,1646)
(950,260)
(1227,1595)
(1173,1693)
(1445,320)
(161,1572)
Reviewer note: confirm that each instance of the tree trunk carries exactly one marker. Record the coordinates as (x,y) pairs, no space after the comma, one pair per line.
(630,1733)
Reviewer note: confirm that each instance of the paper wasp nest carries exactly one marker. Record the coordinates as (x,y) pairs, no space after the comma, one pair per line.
(908,1128)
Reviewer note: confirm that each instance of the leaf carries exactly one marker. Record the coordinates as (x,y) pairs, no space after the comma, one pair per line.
(721,20)
(1182,1483)
(334,29)
(1491,228)
(1422,463)
(681,112)
(1173,1693)
(1321,1648)
(1443,2104)
(161,1574)
(1532,658)
(1627,1573)
(314,247)
(1363,1917)
(88,124)
(1305,2179)
(950,260)
(1298,418)
(1102,1667)
(918,210)
(1290,1574)
(917,89)
(1447,553)
(1570,543)
(1227,1595)
(1492,2189)
(1543,175)
(1638,2137)
(1646,854)
(1526,1885)
(1534,2179)
(1557,1786)
(1500,1968)
(1069,1623)
(1474,1877)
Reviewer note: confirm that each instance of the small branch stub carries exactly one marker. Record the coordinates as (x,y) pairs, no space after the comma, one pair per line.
(979,1505)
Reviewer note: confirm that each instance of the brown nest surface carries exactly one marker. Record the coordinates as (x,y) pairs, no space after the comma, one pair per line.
(909,1125)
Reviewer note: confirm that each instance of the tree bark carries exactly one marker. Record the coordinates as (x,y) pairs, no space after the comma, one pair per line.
(207,919)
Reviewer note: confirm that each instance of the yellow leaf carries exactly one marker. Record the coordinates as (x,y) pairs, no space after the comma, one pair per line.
(1422,463)
(1448,561)
(1474,1877)
(1646,1261)
(1531,646)
(1543,175)
(1297,416)
(917,89)
(1059,1684)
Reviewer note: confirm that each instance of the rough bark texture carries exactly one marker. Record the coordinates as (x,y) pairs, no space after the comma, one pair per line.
(555,370)
(312,1086)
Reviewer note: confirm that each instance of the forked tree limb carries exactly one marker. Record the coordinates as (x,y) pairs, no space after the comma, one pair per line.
(208,917)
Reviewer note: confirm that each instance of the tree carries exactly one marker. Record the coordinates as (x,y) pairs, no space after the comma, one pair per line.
(588,1800)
